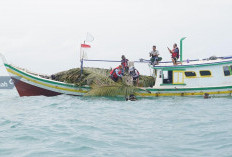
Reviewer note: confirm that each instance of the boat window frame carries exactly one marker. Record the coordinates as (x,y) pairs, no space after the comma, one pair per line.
(169,77)
(229,69)
(180,81)
(205,75)
(190,76)
(171,83)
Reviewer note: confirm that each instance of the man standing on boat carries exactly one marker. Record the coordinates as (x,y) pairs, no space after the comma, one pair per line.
(124,63)
(134,73)
(175,54)
(116,73)
(154,54)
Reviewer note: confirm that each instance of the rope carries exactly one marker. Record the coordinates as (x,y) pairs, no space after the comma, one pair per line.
(143,60)
(90,60)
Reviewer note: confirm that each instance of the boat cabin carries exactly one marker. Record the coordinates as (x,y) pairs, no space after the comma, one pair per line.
(196,73)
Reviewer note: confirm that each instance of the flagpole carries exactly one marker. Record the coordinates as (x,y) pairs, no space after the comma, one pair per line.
(82,50)
(81,59)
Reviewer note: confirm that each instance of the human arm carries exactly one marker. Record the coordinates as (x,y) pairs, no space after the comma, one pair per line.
(116,71)
(136,73)
(169,50)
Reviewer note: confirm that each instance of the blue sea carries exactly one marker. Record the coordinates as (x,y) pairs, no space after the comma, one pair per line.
(67,126)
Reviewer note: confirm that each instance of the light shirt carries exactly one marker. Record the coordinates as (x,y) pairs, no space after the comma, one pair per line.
(155,53)
(134,72)
(116,71)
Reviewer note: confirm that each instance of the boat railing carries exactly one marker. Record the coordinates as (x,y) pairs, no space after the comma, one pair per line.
(33,73)
(141,60)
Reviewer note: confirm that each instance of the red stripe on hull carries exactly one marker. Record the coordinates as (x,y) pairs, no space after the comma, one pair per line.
(25,89)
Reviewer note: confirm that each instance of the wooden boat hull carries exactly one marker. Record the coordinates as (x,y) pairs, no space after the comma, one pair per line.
(26,89)
(31,85)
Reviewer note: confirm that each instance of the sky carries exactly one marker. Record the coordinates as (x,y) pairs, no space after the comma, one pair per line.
(44,36)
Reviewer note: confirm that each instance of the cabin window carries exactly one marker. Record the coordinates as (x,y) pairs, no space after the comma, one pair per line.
(227,70)
(178,77)
(205,73)
(167,77)
(190,74)
(173,78)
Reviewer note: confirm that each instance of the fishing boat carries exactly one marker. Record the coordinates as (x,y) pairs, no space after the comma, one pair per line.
(192,78)
(212,76)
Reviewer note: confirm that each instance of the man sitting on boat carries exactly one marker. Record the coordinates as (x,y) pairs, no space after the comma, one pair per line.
(175,54)
(116,73)
(154,54)
(124,63)
(135,75)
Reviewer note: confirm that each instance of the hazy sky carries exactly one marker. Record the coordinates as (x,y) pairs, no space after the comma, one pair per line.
(45,35)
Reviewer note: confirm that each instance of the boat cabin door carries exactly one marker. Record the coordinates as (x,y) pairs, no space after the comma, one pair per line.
(178,77)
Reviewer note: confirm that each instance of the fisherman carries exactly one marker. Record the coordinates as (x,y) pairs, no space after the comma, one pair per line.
(154,54)
(131,97)
(116,73)
(206,96)
(124,63)
(175,54)
(135,75)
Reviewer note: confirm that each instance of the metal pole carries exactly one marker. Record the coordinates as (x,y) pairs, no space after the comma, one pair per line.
(81,66)
(181,49)
(81,59)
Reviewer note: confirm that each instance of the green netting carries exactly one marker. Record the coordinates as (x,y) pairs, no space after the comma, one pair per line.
(101,83)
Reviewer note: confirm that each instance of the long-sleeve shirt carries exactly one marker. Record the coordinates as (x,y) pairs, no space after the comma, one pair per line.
(116,71)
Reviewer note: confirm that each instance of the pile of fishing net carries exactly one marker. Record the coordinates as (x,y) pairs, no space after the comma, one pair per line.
(100,82)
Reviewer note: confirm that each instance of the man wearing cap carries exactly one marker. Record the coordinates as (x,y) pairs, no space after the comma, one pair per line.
(154,54)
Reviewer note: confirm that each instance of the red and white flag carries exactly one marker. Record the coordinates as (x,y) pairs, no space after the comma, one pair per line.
(85,46)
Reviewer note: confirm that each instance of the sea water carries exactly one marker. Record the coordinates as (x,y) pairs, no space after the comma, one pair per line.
(68,126)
